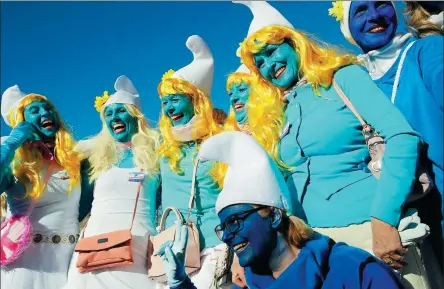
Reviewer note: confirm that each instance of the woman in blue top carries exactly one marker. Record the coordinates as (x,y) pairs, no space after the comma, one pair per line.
(409,70)
(278,251)
(186,121)
(322,141)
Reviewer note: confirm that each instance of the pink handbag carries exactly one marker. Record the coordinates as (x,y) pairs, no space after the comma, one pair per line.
(16,232)
(156,270)
(107,250)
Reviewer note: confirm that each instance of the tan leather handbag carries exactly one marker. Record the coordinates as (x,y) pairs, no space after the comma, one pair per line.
(376,148)
(107,250)
(156,269)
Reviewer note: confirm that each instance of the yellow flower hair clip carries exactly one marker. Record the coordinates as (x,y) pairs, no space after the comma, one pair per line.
(167,74)
(337,10)
(101,100)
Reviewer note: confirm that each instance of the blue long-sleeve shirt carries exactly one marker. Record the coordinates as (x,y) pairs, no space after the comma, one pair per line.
(420,96)
(176,190)
(321,264)
(324,143)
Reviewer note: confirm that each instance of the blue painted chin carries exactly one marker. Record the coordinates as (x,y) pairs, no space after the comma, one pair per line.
(255,240)
(279,64)
(121,124)
(372,24)
(239,95)
(42,115)
(178,108)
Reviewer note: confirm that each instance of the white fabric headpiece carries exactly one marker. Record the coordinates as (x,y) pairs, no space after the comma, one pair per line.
(242,68)
(201,70)
(263,15)
(252,176)
(125,93)
(10,100)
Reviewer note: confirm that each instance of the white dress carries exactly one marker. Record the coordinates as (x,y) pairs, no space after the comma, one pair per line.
(44,265)
(112,209)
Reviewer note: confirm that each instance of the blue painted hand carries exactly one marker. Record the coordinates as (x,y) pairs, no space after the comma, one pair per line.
(279,64)
(121,124)
(372,23)
(239,94)
(178,107)
(173,256)
(23,132)
(42,116)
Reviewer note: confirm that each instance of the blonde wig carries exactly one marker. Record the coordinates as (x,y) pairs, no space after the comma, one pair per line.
(417,18)
(170,148)
(28,162)
(105,151)
(318,63)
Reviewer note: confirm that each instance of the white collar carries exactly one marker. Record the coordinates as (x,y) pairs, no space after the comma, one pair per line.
(379,61)
(437,19)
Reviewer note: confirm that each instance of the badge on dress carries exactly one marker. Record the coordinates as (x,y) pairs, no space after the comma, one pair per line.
(136,177)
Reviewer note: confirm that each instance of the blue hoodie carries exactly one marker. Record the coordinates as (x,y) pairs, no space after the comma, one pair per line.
(322,264)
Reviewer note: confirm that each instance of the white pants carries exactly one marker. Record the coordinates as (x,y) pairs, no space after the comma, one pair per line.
(211,261)
(413,275)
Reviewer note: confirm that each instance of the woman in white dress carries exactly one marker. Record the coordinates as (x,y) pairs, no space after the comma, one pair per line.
(40,173)
(124,147)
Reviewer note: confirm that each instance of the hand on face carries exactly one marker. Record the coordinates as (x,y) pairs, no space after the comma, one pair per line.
(179,108)
(372,24)
(121,124)
(42,116)
(23,132)
(239,94)
(279,64)
(251,236)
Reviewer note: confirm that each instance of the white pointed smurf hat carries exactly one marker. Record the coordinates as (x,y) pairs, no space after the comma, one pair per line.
(125,93)
(10,100)
(252,176)
(263,15)
(242,68)
(201,70)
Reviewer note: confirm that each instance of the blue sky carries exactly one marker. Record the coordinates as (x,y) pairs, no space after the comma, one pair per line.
(73,51)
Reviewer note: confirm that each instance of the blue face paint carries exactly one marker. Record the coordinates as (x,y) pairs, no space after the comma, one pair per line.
(43,116)
(121,124)
(178,107)
(279,64)
(239,94)
(256,239)
(372,24)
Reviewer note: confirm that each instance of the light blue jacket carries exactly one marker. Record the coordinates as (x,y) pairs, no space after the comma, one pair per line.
(176,189)
(325,145)
(420,96)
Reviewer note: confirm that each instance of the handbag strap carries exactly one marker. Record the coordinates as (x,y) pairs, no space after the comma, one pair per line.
(139,186)
(193,190)
(365,127)
(398,71)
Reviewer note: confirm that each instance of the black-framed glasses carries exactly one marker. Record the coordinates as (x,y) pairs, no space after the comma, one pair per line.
(234,223)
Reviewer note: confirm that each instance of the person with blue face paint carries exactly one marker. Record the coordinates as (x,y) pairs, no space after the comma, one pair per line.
(277,250)
(238,88)
(41,177)
(123,165)
(186,121)
(409,70)
(322,140)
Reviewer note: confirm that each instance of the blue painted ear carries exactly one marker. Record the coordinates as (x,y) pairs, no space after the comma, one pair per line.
(276,218)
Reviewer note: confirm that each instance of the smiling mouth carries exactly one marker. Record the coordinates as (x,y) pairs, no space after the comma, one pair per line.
(240,247)
(279,72)
(239,106)
(176,117)
(119,127)
(47,124)
(377,29)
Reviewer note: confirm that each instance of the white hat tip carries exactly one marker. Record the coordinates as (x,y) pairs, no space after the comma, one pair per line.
(124,83)
(246,3)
